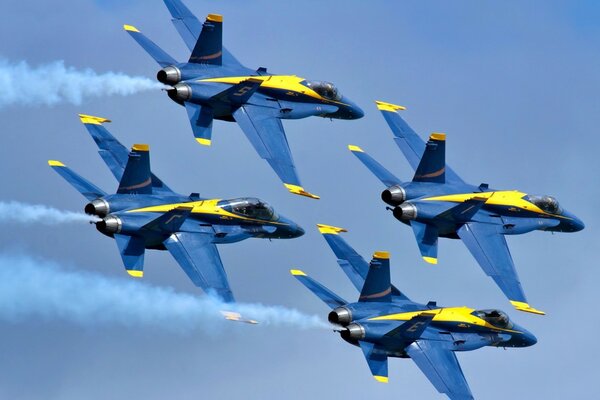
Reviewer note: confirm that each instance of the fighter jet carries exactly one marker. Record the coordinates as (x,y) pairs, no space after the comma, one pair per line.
(213,84)
(145,213)
(438,203)
(384,322)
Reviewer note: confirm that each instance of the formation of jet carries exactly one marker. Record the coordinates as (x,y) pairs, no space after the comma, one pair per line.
(438,203)
(385,323)
(145,213)
(213,84)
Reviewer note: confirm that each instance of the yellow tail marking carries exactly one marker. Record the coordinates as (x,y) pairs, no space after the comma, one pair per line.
(352,147)
(299,190)
(90,119)
(328,229)
(130,28)
(55,163)
(297,272)
(203,142)
(135,273)
(383,106)
(438,136)
(382,379)
(521,306)
(215,17)
(140,147)
(384,255)
(430,260)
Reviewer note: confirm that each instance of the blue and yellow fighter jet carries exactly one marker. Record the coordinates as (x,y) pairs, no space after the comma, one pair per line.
(214,85)
(385,323)
(438,203)
(146,214)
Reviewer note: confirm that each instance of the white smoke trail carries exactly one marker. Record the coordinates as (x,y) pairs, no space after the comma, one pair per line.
(53,83)
(34,288)
(14,211)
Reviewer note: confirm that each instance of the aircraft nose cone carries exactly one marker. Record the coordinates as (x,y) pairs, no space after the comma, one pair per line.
(298,231)
(529,339)
(357,112)
(578,225)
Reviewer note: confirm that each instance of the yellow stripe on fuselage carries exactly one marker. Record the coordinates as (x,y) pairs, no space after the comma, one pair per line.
(507,198)
(290,83)
(205,207)
(451,314)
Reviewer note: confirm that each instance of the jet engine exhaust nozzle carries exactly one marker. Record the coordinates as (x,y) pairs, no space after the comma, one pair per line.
(405,212)
(98,207)
(393,195)
(110,224)
(180,92)
(169,75)
(353,332)
(340,316)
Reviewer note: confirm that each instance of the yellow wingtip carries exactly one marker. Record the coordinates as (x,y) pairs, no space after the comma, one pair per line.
(299,190)
(204,142)
(214,17)
(352,147)
(522,306)
(382,379)
(383,106)
(431,260)
(235,316)
(130,28)
(90,119)
(55,163)
(135,273)
(331,230)
(297,272)
(140,147)
(438,136)
(384,255)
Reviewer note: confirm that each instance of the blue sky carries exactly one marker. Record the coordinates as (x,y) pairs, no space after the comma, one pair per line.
(513,84)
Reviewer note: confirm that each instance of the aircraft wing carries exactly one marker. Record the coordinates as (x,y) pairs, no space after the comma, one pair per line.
(490,250)
(200,260)
(441,367)
(265,132)
(411,145)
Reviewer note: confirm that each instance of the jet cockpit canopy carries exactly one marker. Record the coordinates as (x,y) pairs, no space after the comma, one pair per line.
(495,317)
(250,207)
(325,89)
(546,203)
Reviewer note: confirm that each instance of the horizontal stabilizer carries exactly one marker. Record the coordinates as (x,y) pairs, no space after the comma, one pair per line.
(158,54)
(114,154)
(137,176)
(432,167)
(209,48)
(377,285)
(326,295)
(377,169)
(463,212)
(132,251)
(83,186)
(427,240)
(201,119)
(377,360)
(168,222)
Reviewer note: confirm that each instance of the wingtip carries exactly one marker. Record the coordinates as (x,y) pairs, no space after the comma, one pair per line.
(130,28)
(383,106)
(204,142)
(384,255)
(330,230)
(431,260)
(525,307)
(437,136)
(90,119)
(297,272)
(135,273)
(299,190)
(237,317)
(354,148)
(214,17)
(55,163)
(140,147)
(382,379)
